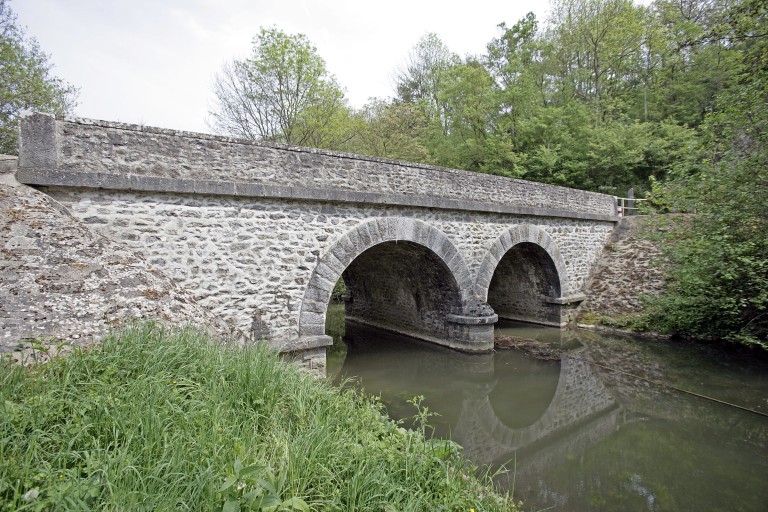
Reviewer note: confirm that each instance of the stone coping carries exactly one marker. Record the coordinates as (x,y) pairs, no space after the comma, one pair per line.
(302,343)
(579,297)
(132,182)
(116,125)
(472,320)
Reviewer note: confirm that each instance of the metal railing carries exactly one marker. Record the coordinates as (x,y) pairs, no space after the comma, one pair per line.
(626,206)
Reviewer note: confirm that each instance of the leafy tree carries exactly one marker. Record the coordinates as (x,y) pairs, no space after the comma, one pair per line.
(600,47)
(26,81)
(581,102)
(510,55)
(720,258)
(624,155)
(517,61)
(281,93)
(467,137)
(391,130)
(693,67)
(554,143)
(420,80)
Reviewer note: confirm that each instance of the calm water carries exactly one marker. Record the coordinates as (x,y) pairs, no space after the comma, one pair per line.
(599,429)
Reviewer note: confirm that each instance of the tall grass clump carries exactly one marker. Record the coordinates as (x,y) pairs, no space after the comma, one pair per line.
(154,419)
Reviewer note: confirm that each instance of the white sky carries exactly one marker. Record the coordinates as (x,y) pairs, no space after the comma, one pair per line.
(153,61)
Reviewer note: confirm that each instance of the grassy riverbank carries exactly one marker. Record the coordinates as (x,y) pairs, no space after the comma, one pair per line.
(154,420)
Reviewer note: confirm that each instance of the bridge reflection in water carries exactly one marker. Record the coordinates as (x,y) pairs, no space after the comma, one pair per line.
(493,405)
(576,434)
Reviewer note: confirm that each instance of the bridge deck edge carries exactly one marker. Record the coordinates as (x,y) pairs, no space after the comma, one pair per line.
(74,179)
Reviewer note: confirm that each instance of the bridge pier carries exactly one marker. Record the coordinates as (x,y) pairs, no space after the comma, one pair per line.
(471,329)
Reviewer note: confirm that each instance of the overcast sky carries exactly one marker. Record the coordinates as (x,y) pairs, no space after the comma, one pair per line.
(153,61)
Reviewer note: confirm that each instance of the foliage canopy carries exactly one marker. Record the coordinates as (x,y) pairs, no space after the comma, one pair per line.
(281,93)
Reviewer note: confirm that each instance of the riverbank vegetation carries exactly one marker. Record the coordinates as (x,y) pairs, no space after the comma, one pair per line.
(719,257)
(158,420)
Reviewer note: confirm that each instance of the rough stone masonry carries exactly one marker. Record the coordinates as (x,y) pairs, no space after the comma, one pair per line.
(64,285)
(259,234)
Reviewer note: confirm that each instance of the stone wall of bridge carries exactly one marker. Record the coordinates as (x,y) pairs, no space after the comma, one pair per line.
(64,285)
(258,234)
(251,260)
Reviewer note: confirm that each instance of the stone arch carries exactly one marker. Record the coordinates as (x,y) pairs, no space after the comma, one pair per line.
(524,233)
(362,237)
(524,277)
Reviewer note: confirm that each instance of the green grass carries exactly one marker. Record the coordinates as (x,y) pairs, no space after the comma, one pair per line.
(166,420)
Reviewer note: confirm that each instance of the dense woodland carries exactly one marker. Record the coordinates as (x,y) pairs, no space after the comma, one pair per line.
(669,97)
(604,95)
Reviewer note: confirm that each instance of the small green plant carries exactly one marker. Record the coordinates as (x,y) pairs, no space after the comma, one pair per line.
(615,322)
(440,449)
(39,350)
(339,290)
(252,488)
(589,318)
(632,321)
(421,418)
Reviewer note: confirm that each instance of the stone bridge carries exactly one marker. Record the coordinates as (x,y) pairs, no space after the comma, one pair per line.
(261,233)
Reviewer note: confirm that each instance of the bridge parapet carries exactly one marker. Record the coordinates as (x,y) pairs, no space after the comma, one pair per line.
(67,151)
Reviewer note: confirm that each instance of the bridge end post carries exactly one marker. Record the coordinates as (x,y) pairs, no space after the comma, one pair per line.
(38,142)
(470,334)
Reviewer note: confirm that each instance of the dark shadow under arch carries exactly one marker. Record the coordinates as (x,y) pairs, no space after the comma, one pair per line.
(402,286)
(524,277)
(525,284)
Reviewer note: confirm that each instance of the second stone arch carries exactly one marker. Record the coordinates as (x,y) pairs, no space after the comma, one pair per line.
(523,276)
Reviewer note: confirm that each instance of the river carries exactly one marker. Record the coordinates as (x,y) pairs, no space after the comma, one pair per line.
(600,422)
